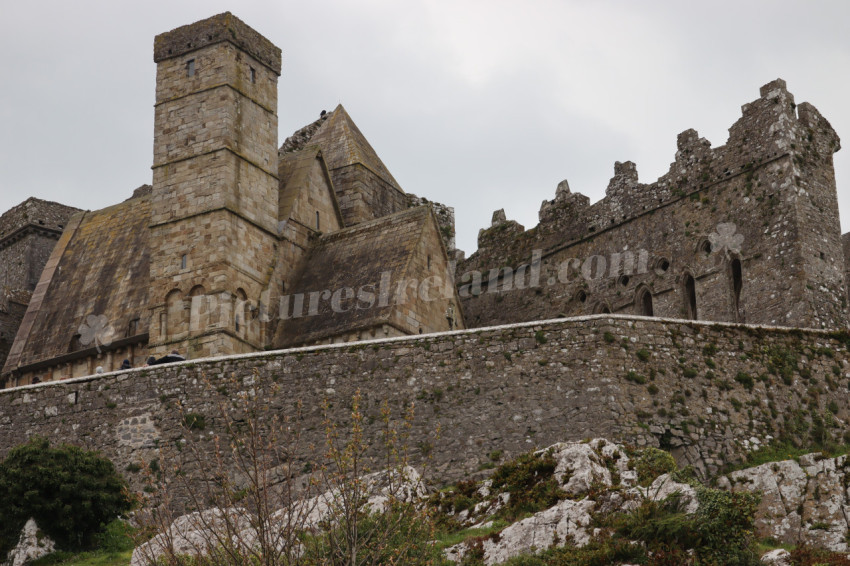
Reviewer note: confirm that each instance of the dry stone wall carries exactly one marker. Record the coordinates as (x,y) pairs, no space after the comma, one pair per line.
(709,392)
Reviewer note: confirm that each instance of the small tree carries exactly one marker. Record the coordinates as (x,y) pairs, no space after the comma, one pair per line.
(70,492)
(259,512)
(354,534)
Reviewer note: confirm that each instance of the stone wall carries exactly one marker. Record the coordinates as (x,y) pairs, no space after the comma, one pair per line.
(766,200)
(28,233)
(707,391)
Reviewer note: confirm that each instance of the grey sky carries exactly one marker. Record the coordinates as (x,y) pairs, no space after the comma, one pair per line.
(479,105)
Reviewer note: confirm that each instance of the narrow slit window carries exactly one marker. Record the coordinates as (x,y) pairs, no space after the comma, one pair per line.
(183,262)
(690,289)
(317,220)
(253,75)
(737,285)
(190,68)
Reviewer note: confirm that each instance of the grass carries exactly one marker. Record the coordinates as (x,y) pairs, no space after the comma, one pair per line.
(781,451)
(115,549)
(446,539)
(93,558)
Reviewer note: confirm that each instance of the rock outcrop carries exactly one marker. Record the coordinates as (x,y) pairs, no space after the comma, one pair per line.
(804,501)
(32,545)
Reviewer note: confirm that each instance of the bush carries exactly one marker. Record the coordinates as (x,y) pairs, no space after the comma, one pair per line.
(651,463)
(70,492)
(530,479)
(720,533)
(746,380)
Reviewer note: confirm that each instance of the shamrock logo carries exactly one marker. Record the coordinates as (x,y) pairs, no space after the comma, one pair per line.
(97,330)
(726,238)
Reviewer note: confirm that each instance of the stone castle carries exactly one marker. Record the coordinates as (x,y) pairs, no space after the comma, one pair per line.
(239,246)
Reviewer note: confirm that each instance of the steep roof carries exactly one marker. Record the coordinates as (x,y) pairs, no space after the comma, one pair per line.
(342,144)
(294,172)
(353,258)
(100,266)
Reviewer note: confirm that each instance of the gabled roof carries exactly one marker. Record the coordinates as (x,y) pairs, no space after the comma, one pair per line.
(294,172)
(355,258)
(100,266)
(342,144)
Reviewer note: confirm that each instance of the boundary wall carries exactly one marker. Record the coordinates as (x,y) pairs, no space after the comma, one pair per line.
(707,391)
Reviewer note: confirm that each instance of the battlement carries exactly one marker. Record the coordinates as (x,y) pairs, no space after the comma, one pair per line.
(773,181)
(219,28)
(769,128)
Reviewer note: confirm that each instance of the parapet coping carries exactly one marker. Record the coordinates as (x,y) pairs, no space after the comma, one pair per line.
(418,337)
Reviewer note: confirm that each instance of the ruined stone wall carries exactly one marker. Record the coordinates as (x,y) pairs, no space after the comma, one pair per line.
(28,233)
(708,391)
(445,220)
(766,199)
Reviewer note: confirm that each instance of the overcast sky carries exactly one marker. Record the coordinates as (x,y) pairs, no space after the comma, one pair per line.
(479,105)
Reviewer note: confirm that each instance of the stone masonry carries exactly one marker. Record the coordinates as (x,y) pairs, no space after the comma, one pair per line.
(745,232)
(28,233)
(709,392)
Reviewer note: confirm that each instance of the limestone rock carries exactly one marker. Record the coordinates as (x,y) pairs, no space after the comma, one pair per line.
(664,486)
(582,464)
(802,502)
(32,545)
(197,533)
(568,520)
(778,557)
(193,534)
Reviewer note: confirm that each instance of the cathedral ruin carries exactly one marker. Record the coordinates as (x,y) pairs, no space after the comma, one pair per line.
(240,246)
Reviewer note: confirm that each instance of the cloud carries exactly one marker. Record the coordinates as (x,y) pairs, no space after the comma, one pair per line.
(477,104)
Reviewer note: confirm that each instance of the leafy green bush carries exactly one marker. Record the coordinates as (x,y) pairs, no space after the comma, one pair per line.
(530,479)
(70,492)
(746,380)
(651,463)
(720,533)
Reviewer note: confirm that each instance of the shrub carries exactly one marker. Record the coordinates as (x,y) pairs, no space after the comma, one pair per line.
(651,463)
(194,421)
(643,355)
(745,379)
(70,492)
(635,377)
(530,479)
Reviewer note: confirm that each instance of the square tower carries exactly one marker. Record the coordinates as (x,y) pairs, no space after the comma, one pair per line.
(213,231)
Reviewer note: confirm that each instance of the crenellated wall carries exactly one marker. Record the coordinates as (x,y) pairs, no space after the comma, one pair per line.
(744,232)
(707,391)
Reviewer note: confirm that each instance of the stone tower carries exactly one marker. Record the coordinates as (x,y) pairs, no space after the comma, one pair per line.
(215,186)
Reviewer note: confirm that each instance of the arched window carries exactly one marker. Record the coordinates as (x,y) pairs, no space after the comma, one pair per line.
(737,283)
(644,302)
(690,291)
